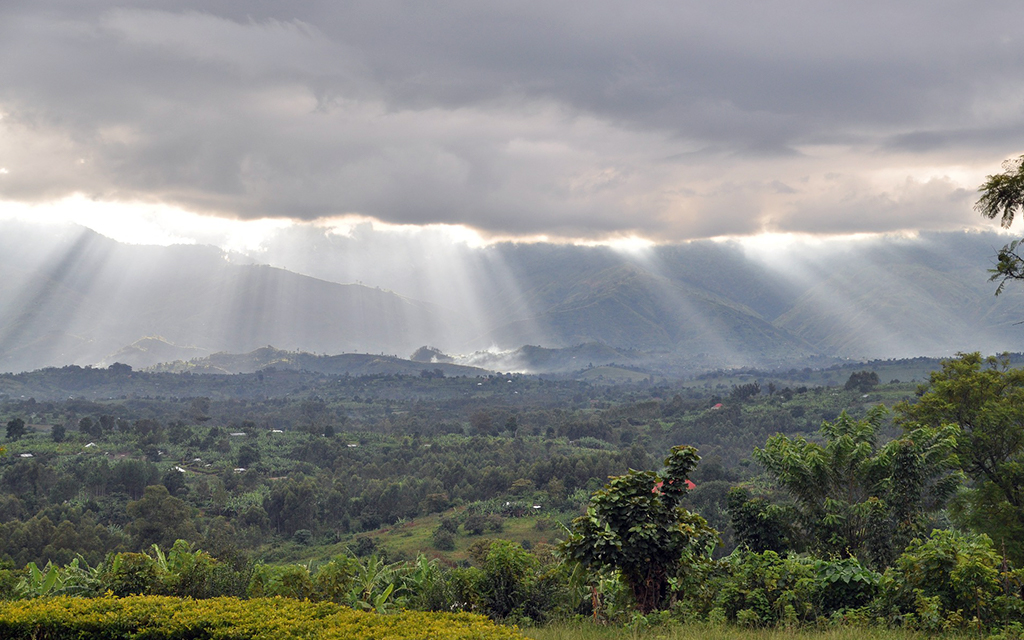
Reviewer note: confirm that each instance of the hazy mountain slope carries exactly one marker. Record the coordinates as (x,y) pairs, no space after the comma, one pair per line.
(629,308)
(68,295)
(154,350)
(534,359)
(79,299)
(546,275)
(873,318)
(723,270)
(883,298)
(541,277)
(894,307)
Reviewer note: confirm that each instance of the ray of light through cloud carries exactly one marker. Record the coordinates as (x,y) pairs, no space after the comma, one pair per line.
(146,223)
(537,121)
(414,150)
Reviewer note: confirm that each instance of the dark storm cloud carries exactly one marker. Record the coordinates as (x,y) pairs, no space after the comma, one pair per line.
(667,119)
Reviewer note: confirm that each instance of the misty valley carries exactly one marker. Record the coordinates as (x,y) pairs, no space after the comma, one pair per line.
(644,439)
(457,490)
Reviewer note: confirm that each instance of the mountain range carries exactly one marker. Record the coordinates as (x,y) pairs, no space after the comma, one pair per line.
(71,296)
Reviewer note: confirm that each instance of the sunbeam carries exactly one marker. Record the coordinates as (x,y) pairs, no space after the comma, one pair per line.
(701,327)
(76,296)
(57,292)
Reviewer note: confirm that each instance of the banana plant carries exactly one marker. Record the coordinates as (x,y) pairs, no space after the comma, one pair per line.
(380,601)
(78,579)
(39,583)
(161,559)
(419,583)
(374,584)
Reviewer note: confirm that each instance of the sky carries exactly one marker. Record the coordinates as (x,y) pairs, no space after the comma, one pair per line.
(225,121)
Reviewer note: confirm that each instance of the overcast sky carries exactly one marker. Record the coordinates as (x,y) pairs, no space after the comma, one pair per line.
(663,120)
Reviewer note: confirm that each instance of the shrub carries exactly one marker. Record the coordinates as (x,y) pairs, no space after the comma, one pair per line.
(8,579)
(475,524)
(289,581)
(187,573)
(164,618)
(333,581)
(443,540)
(764,589)
(126,574)
(507,579)
(947,580)
(761,589)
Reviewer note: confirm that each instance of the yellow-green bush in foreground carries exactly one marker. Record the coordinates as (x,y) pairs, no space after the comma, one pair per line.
(164,618)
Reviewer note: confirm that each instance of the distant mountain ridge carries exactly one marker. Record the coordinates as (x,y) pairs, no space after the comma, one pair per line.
(891,298)
(71,296)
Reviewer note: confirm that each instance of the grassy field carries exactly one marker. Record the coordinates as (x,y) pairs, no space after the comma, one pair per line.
(711,632)
(613,375)
(412,537)
(409,538)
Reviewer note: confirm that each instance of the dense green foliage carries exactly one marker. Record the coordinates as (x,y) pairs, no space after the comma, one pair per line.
(984,400)
(852,496)
(448,494)
(483,451)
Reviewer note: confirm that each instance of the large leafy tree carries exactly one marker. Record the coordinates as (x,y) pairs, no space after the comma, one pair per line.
(15,429)
(159,518)
(1002,196)
(984,399)
(853,496)
(635,525)
(292,505)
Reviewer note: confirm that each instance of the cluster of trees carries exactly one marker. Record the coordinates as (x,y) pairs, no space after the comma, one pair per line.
(317,468)
(875,516)
(846,514)
(853,538)
(957,459)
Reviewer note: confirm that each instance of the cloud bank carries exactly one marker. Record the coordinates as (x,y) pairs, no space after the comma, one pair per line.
(667,120)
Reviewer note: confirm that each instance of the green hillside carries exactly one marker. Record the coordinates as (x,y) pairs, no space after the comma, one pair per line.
(628,307)
(914,312)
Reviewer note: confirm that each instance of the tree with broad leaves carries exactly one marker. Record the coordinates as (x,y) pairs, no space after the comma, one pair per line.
(853,496)
(635,525)
(983,398)
(160,518)
(1002,196)
(862,381)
